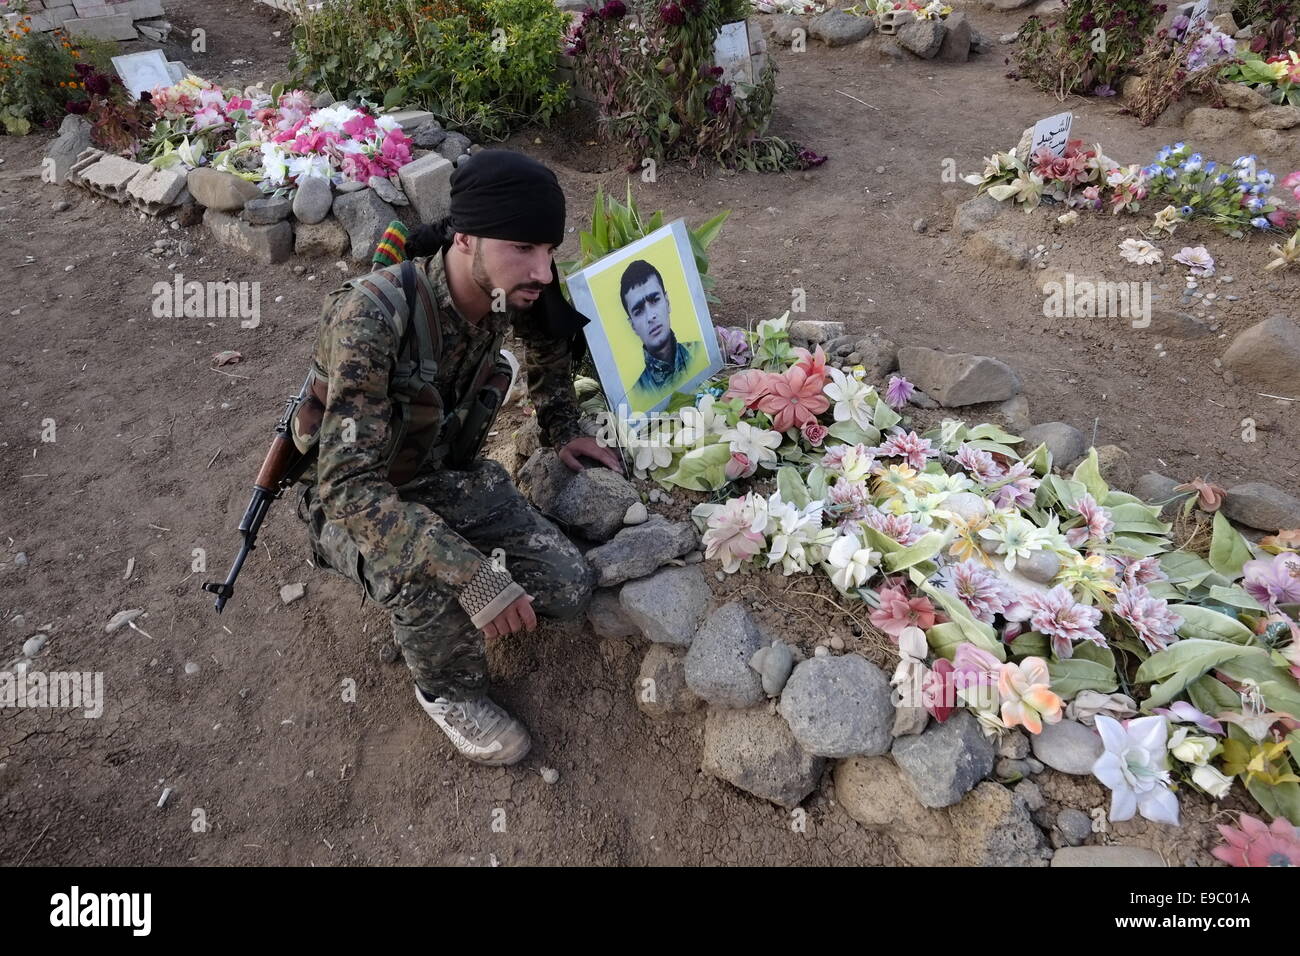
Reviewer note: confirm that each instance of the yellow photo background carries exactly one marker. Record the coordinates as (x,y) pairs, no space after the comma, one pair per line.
(623,342)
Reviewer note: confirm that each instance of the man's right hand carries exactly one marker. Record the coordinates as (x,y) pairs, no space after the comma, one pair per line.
(518,616)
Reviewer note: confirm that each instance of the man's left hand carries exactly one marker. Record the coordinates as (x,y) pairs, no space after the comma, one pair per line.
(587,447)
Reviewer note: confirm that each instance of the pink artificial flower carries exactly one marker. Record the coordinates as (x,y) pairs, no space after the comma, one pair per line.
(1018,492)
(738,466)
(1286,219)
(237,102)
(1273,581)
(1180,711)
(288,132)
(977,675)
(898,527)
(1027,697)
(211,98)
(1137,570)
(1292,181)
(750,386)
(939,690)
(207,117)
(361,126)
(814,433)
(899,392)
(1058,615)
(979,463)
(977,587)
(1255,843)
(848,500)
(729,536)
(896,612)
(1097,524)
(910,446)
(812,363)
(1156,625)
(298,101)
(794,399)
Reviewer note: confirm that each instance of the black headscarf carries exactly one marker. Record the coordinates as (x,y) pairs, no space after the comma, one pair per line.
(499,194)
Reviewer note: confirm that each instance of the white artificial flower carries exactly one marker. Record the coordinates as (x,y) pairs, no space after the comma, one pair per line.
(314,164)
(852,398)
(769,326)
(1212,781)
(700,422)
(1194,750)
(1196,258)
(798,538)
(852,564)
(1016,537)
(1140,251)
(274,167)
(1135,768)
(759,445)
(1068,218)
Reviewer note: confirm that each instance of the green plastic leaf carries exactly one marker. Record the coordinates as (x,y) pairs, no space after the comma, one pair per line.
(817,482)
(884,417)
(984,444)
(277,91)
(993,433)
(1228,549)
(1140,545)
(1040,459)
(1178,665)
(880,541)
(1201,623)
(851,433)
(599,226)
(1078,673)
(923,550)
(945,638)
(701,469)
(1031,644)
(1088,651)
(977,632)
(706,233)
(1280,690)
(1282,800)
(791,486)
(1185,569)
(1139,518)
(1236,596)
(1212,696)
(1089,472)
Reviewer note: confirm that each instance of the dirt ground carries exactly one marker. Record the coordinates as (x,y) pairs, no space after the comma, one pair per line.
(156,451)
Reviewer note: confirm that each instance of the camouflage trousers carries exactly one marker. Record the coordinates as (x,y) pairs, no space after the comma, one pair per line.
(444,651)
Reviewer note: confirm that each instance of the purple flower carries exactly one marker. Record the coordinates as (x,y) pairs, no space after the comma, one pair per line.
(735,345)
(97,83)
(1137,570)
(1273,581)
(1058,615)
(898,527)
(613,10)
(718,97)
(899,391)
(1102,89)
(849,500)
(979,463)
(807,159)
(1180,711)
(672,14)
(1156,625)
(977,587)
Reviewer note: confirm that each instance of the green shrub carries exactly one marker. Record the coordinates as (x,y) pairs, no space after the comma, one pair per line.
(484,66)
(1088,47)
(38,75)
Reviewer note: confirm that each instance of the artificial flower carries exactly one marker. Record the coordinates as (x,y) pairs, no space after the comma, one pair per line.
(1135,768)
(1063,619)
(758,445)
(1181,711)
(1192,748)
(897,611)
(1196,258)
(1156,625)
(1212,781)
(899,391)
(852,563)
(939,690)
(1027,697)
(1254,843)
(1273,581)
(1139,251)
(793,399)
(729,536)
(977,587)
(750,386)
(910,446)
(814,433)
(852,399)
(852,462)
(1097,525)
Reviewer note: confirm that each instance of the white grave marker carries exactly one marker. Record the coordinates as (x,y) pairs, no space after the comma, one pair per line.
(1052,133)
(141,72)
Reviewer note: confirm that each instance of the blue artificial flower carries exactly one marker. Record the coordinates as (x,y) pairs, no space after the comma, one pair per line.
(1186,212)
(1222,178)
(1179,147)
(1255,204)
(1259,222)
(1210,167)
(1265,179)
(1163,155)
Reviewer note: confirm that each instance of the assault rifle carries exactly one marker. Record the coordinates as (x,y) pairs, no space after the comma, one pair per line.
(281,468)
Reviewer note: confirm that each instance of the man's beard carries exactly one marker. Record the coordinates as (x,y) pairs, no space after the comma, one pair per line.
(478,272)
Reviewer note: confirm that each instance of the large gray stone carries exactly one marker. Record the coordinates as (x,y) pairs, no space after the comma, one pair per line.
(313,199)
(661,687)
(955,378)
(1068,746)
(389,193)
(1276,117)
(74,136)
(1065,442)
(593,502)
(266,244)
(992,827)
(1242,96)
(1207,123)
(946,760)
(837,28)
(1259,505)
(1154,488)
(427,184)
(1106,856)
(782,28)
(453,146)
(956,45)
(606,615)
(220,190)
(998,249)
(428,135)
(1268,354)
(839,707)
(327,238)
(923,37)
(115,27)
(755,751)
(717,664)
(266,211)
(638,550)
(812,332)
(667,607)
(365,216)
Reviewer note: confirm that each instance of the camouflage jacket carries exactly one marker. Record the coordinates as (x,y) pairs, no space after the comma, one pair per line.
(399,539)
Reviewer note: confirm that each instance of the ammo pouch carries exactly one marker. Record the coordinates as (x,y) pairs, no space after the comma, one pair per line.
(466,435)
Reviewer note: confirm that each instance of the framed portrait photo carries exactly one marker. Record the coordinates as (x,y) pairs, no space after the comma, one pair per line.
(650,333)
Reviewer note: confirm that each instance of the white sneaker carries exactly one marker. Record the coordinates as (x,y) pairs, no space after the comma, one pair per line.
(480,729)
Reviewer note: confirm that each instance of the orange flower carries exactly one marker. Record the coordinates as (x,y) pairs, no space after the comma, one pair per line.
(1208,496)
